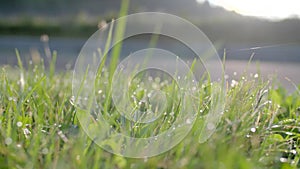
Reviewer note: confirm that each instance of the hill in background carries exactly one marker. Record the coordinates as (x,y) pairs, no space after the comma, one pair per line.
(55,17)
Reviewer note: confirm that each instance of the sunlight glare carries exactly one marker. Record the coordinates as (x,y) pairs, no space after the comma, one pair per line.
(261,8)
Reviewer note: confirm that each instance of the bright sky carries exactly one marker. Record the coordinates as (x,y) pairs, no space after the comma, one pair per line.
(273,9)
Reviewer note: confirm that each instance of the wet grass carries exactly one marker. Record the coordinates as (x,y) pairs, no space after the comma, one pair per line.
(39,129)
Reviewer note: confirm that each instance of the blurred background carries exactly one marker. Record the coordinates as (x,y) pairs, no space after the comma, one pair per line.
(269,30)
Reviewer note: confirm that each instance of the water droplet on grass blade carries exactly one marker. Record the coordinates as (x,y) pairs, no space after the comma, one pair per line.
(283,160)
(26,132)
(233,83)
(289,133)
(8,141)
(19,124)
(294,152)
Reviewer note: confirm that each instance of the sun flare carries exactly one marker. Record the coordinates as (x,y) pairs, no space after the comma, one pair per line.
(261,8)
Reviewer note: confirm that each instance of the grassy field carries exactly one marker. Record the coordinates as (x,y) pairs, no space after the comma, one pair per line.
(39,129)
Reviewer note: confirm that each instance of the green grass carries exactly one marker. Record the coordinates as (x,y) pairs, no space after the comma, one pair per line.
(39,129)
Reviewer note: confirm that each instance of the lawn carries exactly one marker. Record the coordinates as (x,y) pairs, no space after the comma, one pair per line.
(40,126)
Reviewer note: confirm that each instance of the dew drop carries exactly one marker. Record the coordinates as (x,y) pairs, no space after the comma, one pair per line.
(44,131)
(26,132)
(19,124)
(294,152)
(253,129)
(283,160)
(233,83)
(8,141)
